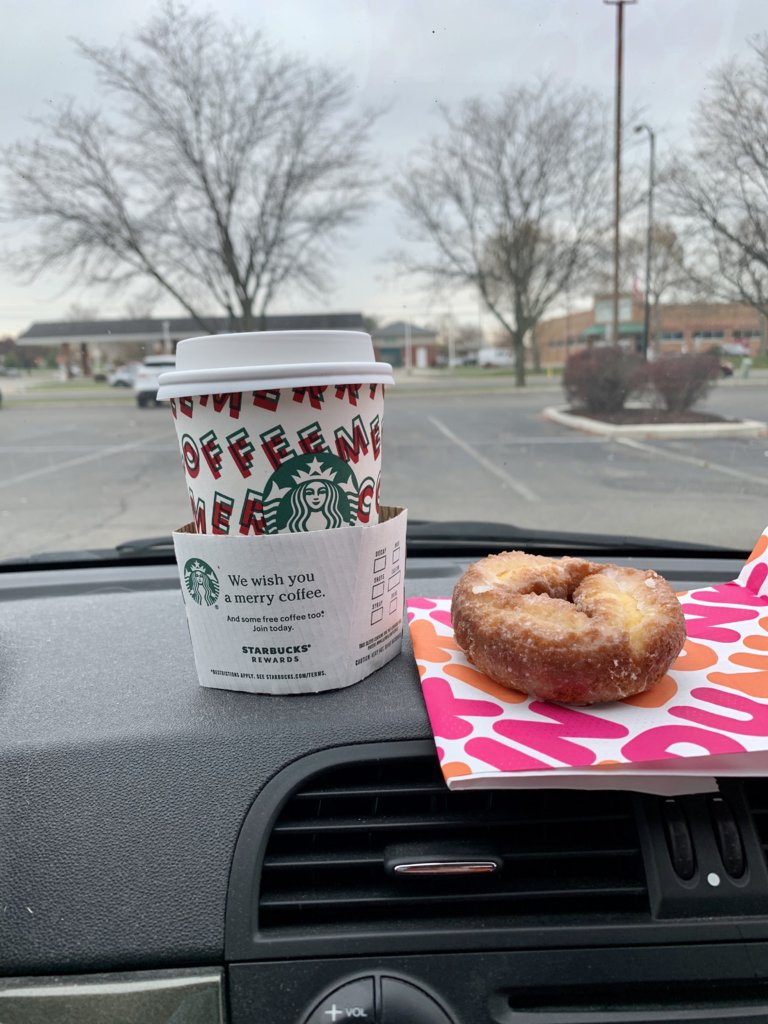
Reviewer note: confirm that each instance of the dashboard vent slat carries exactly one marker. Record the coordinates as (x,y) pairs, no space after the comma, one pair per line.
(561,852)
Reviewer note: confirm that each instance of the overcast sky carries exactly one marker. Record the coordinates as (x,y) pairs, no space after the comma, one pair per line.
(408,54)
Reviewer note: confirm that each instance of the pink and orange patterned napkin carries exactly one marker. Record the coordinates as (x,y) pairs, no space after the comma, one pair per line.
(708,716)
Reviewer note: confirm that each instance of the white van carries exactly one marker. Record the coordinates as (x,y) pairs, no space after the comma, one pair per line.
(145,384)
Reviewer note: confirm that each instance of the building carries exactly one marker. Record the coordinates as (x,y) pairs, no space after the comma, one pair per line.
(405,344)
(102,343)
(733,327)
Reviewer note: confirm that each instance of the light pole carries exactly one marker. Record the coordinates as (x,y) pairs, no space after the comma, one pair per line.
(649,240)
(619,5)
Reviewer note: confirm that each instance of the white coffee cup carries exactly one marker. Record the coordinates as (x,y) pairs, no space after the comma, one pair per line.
(279,431)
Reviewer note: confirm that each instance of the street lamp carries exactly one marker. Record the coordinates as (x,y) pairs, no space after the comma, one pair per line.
(649,241)
(619,5)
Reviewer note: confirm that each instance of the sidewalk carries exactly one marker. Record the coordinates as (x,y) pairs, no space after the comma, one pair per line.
(480,381)
(543,381)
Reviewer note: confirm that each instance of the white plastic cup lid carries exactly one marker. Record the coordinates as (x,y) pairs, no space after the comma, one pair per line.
(221,363)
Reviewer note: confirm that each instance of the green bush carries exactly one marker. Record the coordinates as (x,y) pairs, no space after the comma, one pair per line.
(679,382)
(600,380)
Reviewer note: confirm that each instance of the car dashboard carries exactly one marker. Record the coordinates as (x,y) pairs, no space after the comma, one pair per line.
(171,853)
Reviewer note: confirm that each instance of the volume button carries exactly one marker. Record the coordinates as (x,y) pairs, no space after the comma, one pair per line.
(405,1003)
(352,1003)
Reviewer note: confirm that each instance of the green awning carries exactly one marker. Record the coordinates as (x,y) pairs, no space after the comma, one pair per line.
(598,330)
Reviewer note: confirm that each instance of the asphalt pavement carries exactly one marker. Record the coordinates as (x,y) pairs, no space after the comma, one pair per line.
(91,470)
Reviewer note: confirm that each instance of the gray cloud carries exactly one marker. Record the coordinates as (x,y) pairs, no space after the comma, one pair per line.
(409,56)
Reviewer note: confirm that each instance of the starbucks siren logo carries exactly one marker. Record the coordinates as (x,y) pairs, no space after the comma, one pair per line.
(311,492)
(201,581)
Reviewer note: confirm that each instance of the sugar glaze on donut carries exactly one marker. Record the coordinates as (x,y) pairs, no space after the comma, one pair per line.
(566,629)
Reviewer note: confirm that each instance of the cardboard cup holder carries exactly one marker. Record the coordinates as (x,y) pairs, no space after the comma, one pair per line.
(294,613)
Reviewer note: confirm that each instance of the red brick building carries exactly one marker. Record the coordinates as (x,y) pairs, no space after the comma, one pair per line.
(676,327)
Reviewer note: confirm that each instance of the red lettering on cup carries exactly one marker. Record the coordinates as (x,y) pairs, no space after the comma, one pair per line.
(350,447)
(234,400)
(364,503)
(314,394)
(266,399)
(212,452)
(275,446)
(311,439)
(190,455)
(198,512)
(186,406)
(376,436)
(222,510)
(352,391)
(240,448)
(252,515)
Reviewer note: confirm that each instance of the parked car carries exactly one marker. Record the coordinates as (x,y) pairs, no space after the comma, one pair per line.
(145,384)
(489,356)
(736,348)
(124,376)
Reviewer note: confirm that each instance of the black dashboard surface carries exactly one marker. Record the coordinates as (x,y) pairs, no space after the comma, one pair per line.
(123,783)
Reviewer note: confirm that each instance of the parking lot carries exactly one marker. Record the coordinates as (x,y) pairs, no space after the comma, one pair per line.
(93,470)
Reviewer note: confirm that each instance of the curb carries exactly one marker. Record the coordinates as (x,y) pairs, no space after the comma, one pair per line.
(679,431)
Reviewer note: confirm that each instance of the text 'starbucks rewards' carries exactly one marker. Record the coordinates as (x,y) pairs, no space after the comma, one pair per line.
(292,572)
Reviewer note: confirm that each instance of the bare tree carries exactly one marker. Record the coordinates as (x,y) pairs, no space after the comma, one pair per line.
(77,312)
(222,170)
(511,199)
(720,188)
(142,305)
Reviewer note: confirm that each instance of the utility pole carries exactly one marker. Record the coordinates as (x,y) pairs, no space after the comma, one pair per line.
(649,239)
(449,337)
(619,5)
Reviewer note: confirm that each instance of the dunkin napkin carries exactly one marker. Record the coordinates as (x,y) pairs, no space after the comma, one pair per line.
(708,716)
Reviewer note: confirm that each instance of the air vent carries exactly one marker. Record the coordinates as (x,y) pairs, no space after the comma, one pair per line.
(755,794)
(564,855)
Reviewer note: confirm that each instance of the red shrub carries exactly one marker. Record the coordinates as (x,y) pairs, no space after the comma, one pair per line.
(679,382)
(600,380)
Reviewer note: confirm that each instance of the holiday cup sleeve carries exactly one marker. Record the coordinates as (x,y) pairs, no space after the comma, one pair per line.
(707,716)
(294,613)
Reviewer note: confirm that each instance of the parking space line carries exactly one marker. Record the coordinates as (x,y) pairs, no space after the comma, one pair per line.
(47,449)
(693,460)
(521,439)
(68,463)
(519,488)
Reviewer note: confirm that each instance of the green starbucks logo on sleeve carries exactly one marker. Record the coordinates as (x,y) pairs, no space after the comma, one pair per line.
(201,582)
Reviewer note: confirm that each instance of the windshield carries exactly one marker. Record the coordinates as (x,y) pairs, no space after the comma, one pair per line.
(550,218)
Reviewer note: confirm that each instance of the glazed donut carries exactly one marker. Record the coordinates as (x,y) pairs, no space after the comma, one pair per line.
(566,629)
